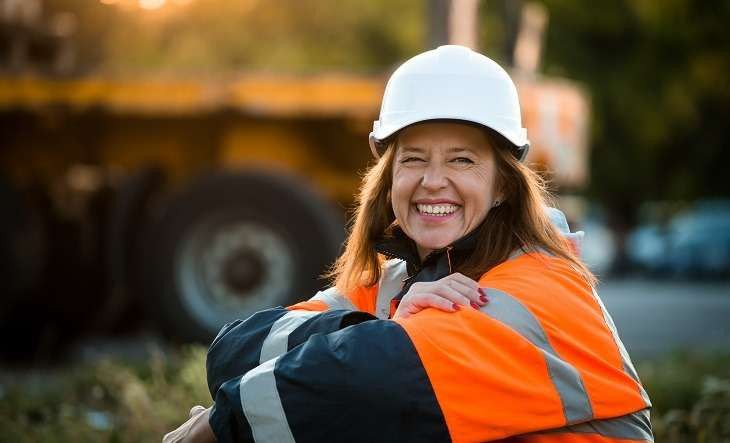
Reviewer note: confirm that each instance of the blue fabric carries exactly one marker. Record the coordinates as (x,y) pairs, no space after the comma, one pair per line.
(227,418)
(364,383)
(237,348)
(326,322)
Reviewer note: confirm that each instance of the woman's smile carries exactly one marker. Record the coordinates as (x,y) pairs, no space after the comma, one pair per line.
(436,210)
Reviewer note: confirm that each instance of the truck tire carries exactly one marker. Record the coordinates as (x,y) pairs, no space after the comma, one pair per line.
(231,244)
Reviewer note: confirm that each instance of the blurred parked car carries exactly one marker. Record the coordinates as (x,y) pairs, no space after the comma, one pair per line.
(694,243)
(599,245)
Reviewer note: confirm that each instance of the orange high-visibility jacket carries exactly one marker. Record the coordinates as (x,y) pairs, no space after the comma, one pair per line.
(541,362)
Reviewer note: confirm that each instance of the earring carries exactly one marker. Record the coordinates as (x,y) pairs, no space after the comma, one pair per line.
(496,203)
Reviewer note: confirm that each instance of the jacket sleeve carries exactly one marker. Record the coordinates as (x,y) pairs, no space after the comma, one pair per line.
(362,383)
(244,344)
(465,376)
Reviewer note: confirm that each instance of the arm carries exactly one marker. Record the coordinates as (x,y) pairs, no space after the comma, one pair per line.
(363,383)
(244,344)
(465,376)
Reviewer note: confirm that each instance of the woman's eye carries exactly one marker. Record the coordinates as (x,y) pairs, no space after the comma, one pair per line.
(411,159)
(463,160)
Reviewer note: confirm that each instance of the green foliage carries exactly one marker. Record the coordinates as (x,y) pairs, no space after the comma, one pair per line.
(281,36)
(106,401)
(691,397)
(657,72)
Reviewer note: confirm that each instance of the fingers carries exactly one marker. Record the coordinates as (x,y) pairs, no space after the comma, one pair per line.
(463,280)
(195,410)
(437,301)
(472,294)
(448,292)
(196,429)
(466,287)
(433,294)
(423,295)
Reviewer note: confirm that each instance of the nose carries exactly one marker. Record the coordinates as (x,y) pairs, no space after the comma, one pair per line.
(434,177)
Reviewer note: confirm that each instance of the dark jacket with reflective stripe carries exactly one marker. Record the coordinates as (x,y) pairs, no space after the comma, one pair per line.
(541,362)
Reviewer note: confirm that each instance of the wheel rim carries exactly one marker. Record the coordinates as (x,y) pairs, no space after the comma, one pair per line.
(226,269)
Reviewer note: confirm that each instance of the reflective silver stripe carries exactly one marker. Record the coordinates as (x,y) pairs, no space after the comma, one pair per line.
(334,299)
(566,379)
(277,342)
(628,365)
(635,427)
(262,406)
(391,282)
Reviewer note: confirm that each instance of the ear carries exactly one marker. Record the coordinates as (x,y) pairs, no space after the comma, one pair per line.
(499,193)
(502,196)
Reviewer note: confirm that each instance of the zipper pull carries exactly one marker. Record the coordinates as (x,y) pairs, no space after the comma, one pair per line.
(448,257)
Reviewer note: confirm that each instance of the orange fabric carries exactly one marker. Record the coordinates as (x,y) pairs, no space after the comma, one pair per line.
(558,296)
(309,305)
(364,298)
(568,438)
(492,383)
(482,373)
(393,307)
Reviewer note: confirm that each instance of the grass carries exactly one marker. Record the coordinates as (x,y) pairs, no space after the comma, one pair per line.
(113,400)
(691,397)
(109,400)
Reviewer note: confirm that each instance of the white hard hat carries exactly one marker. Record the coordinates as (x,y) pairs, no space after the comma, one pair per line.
(455,83)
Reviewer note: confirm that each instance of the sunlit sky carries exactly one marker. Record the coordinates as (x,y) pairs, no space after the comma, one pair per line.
(146,4)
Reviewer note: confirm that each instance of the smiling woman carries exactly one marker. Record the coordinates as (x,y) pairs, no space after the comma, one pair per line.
(443,182)
(459,311)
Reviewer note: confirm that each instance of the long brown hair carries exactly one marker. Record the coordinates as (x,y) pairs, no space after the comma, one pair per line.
(519,222)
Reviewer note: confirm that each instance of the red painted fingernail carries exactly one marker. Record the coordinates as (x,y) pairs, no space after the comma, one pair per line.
(483,298)
(482,291)
(474,305)
(455,306)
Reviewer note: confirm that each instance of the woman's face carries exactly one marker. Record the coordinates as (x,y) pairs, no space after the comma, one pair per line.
(443,182)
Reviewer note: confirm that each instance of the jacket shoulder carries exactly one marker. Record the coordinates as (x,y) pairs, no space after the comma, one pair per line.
(572,322)
(535,273)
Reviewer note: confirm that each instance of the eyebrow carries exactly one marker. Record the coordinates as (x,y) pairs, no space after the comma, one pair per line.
(459,149)
(416,149)
(408,149)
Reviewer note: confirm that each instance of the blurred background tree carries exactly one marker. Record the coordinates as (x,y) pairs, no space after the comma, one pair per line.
(188,37)
(657,73)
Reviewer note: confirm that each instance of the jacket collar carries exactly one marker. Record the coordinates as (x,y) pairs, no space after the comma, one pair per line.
(436,265)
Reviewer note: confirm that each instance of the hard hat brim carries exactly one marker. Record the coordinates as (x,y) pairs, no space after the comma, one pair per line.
(378,138)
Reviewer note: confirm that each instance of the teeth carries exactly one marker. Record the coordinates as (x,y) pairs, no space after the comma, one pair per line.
(439,210)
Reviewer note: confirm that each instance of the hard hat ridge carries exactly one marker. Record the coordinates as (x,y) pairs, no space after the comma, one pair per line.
(450,82)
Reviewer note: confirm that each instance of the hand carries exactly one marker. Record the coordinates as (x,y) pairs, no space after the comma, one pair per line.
(195,430)
(447,294)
